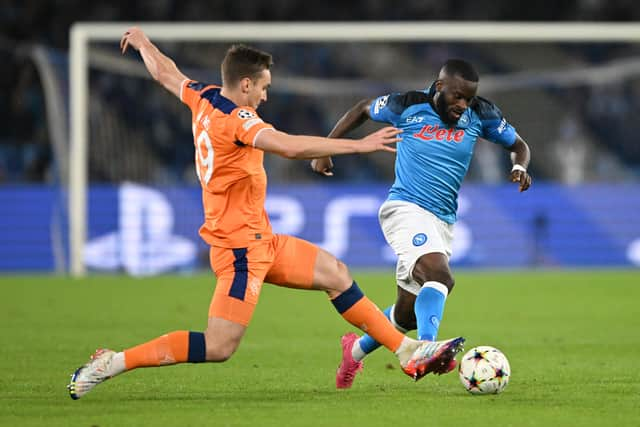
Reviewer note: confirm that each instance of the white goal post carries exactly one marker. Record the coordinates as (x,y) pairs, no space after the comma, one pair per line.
(82,34)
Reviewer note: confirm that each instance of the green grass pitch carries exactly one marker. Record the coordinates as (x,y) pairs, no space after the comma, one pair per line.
(572,339)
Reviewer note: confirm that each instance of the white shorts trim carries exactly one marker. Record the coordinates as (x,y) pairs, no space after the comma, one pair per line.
(412,231)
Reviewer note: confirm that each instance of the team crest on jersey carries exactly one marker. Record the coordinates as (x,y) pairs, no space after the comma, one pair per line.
(419,239)
(380,104)
(245,114)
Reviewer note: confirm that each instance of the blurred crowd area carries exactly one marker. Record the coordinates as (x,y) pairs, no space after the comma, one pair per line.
(578,132)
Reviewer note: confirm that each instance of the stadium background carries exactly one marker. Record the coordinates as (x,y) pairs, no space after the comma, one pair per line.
(574,103)
(566,315)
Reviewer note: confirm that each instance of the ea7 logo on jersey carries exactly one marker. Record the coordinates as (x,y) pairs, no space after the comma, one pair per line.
(245,114)
(414,119)
(380,104)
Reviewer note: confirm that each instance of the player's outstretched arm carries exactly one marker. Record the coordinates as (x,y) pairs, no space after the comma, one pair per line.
(161,67)
(520,157)
(352,119)
(310,147)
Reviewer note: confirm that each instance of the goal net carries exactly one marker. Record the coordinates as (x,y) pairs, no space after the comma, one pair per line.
(570,90)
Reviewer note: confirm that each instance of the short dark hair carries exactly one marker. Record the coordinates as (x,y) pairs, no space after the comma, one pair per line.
(462,68)
(243,61)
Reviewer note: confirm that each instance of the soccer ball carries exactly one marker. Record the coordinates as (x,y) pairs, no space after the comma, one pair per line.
(484,370)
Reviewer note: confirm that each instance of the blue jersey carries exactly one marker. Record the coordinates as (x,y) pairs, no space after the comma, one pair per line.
(434,157)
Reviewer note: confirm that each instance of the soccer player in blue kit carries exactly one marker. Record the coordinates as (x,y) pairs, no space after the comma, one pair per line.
(441,126)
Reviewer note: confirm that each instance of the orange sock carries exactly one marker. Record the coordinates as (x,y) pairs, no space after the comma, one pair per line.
(168,349)
(367,316)
(358,310)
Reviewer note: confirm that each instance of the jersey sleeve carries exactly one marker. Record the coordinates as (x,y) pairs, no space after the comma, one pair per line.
(247,125)
(495,127)
(389,108)
(190,91)
(382,109)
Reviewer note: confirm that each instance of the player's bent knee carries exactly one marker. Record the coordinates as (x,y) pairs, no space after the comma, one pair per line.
(433,267)
(222,338)
(331,275)
(343,276)
(218,351)
(339,271)
(219,355)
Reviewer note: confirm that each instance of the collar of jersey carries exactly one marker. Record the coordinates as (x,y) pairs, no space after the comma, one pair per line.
(218,101)
(431,90)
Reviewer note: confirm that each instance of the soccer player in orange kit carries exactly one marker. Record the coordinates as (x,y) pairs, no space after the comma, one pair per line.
(230,139)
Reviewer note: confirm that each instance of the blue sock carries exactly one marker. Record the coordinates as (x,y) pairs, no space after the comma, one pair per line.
(429,307)
(368,344)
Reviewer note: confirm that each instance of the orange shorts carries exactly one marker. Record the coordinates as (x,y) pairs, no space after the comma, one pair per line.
(283,261)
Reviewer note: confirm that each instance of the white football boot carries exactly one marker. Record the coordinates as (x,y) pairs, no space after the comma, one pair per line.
(94,372)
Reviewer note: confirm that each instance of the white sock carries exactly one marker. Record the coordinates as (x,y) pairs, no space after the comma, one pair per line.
(407,347)
(356,351)
(117,365)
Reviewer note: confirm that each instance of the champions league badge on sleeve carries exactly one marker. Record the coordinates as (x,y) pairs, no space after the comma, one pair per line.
(380,104)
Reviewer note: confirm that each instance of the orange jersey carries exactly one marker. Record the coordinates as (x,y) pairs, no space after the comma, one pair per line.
(229,167)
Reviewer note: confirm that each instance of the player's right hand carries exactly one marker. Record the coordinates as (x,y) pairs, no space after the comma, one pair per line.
(133,37)
(323,166)
(380,140)
(522,178)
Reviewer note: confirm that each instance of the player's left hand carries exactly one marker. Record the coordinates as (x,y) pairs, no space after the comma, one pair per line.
(133,37)
(380,140)
(522,178)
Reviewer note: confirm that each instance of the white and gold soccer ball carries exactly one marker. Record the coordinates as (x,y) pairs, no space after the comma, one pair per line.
(484,370)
